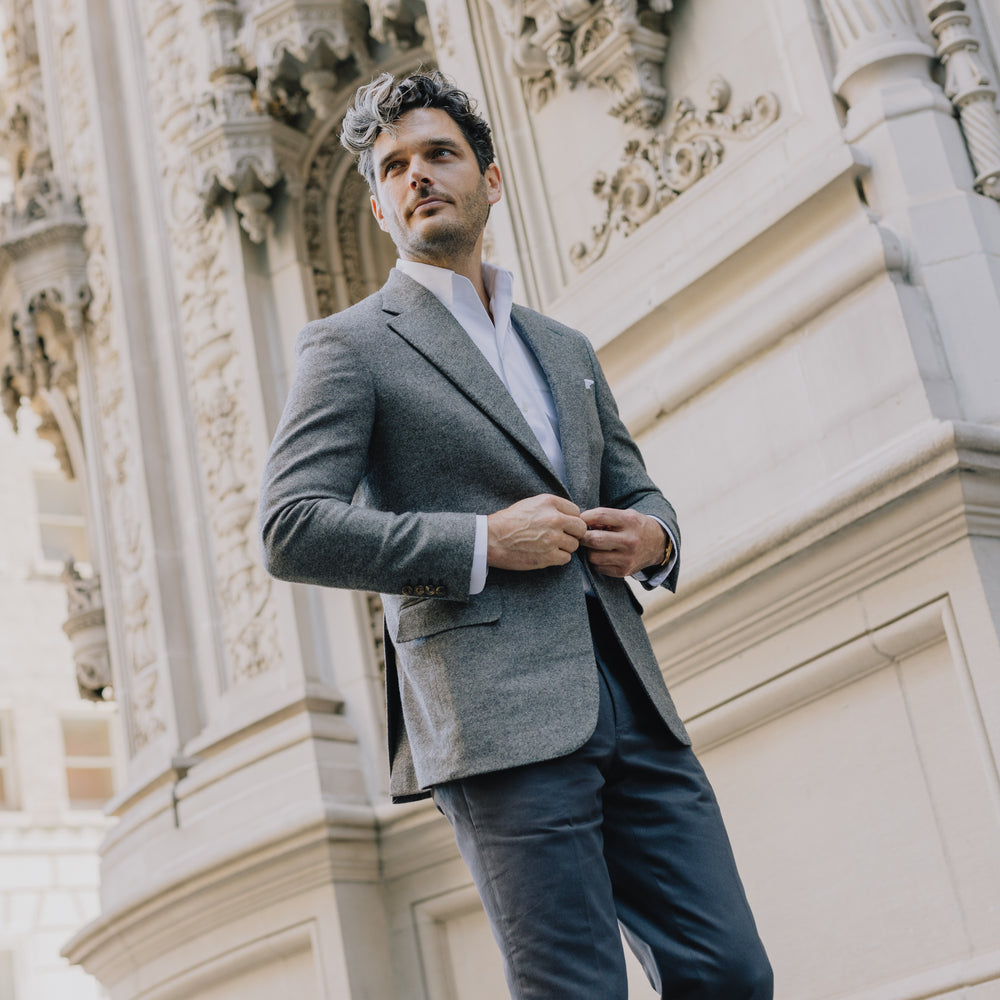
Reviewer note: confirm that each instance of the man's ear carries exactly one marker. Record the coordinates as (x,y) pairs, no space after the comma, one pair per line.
(494,184)
(377,212)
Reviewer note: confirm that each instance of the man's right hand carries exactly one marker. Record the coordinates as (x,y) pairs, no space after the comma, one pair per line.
(534,533)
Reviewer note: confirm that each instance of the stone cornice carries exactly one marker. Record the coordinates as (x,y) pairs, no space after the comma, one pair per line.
(941,483)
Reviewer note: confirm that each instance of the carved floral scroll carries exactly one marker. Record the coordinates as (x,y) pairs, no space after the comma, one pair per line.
(657,169)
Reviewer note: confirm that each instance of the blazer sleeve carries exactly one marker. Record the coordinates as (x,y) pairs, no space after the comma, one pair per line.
(625,483)
(312,528)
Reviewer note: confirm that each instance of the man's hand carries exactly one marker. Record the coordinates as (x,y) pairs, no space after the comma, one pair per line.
(621,542)
(540,531)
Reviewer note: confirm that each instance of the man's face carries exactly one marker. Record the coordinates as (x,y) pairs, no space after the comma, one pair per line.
(429,194)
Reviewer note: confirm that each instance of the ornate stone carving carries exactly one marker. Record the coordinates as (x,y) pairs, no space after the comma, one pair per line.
(87,633)
(214,368)
(346,259)
(967,84)
(656,170)
(41,232)
(128,569)
(442,32)
(237,146)
(618,45)
(292,37)
(145,721)
(277,74)
(240,149)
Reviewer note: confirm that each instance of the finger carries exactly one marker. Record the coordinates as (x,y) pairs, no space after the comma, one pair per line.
(575,526)
(563,505)
(606,565)
(598,540)
(569,543)
(604,517)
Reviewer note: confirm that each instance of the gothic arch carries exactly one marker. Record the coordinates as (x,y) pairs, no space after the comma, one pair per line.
(349,256)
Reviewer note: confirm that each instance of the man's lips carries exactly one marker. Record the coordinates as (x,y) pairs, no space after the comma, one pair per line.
(432,202)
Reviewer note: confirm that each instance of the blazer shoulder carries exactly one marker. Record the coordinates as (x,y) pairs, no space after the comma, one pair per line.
(351,324)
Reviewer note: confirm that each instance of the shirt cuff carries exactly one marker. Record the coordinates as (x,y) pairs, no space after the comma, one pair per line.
(477,580)
(656,578)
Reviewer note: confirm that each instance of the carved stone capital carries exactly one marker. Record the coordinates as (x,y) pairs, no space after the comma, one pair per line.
(657,170)
(41,231)
(241,150)
(617,45)
(291,37)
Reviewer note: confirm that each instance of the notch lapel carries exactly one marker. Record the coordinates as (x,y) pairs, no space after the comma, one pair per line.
(417,316)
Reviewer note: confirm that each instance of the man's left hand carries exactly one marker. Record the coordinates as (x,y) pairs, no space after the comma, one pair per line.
(621,542)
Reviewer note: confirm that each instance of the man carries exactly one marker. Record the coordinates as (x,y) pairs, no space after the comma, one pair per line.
(465,458)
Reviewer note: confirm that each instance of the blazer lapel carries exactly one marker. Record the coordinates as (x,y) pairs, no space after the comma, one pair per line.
(419,318)
(569,393)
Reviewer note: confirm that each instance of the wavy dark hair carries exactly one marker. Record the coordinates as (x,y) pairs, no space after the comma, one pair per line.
(381,103)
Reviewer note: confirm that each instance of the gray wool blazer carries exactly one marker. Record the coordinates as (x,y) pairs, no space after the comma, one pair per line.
(396,433)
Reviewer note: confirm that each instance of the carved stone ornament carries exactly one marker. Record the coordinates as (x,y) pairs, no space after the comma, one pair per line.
(656,170)
(967,84)
(214,365)
(87,632)
(134,627)
(237,147)
(277,73)
(617,45)
(41,234)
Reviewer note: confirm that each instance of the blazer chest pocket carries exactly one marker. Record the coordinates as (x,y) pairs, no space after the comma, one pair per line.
(431,616)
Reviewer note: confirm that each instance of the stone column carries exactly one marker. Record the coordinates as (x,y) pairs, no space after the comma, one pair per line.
(968,85)
(882,63)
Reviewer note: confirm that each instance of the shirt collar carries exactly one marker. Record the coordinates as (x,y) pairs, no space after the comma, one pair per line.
(443,283)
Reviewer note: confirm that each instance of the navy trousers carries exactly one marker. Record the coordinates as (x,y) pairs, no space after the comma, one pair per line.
(625,832)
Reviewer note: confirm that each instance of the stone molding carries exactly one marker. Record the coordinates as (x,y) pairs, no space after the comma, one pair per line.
(932,454)
(619,46)
(656,170)
(967,85)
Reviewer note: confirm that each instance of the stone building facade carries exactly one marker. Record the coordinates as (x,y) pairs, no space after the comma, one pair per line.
(778,222)
(59,758)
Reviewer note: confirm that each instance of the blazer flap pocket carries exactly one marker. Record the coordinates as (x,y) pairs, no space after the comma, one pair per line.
(432,615)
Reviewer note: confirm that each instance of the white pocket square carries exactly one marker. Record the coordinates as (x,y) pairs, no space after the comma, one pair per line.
(588,383)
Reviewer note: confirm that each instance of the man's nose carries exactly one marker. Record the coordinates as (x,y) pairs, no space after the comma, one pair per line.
(419,175)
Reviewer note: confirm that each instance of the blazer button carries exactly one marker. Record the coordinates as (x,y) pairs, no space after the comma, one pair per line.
(419,591)
(407,591)
(440,591)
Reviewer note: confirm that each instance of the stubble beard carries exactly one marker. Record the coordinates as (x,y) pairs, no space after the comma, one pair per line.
(454,240)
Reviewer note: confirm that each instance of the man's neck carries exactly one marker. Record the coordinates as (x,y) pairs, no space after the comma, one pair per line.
(470,267)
